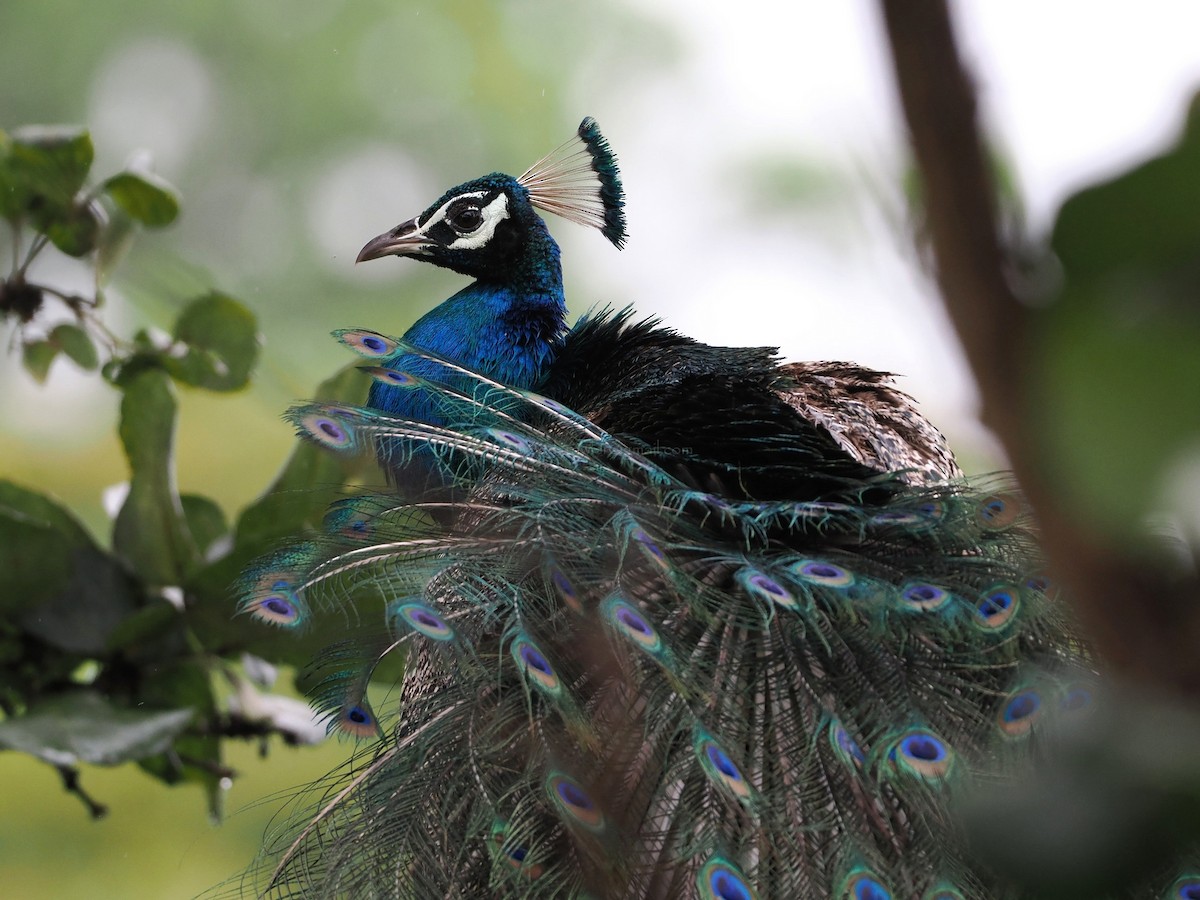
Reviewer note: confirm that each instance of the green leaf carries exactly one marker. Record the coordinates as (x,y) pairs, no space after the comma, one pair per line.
(145,628)
(54,580)
(1118,401)
(80,616)
(113,243)
(61,155)
(310,480)
(1145,219)
(85,727)
(12,195)
(37,356)
(296,501)
(145,197)
(36,562)
(150,532)
(187,685)
(28,506)
(37,541)
(1116,375)
(77,344)
(206,521)
(42,169)
(222,344)
(74,230)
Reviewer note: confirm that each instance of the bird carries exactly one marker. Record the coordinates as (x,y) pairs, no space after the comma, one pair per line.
(676,620)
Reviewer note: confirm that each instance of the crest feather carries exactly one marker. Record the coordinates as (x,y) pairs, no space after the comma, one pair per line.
(580,181)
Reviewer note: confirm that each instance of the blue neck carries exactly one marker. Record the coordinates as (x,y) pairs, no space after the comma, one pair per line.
(507,329)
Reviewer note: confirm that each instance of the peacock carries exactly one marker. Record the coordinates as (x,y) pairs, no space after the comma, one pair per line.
(677,620)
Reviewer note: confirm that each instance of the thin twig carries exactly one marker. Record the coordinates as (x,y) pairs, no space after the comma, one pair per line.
(15,228)
(70,779)
(35,247)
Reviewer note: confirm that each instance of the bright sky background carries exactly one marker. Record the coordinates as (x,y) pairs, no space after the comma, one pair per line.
(1073,89)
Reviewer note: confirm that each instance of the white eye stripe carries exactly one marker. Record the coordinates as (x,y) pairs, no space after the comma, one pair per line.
(493,214)
(440,213)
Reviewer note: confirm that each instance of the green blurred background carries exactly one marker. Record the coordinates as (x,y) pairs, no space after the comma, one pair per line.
(294,131)
(761,158)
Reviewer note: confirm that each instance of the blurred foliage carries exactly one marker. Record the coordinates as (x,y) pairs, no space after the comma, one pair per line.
(100,661)
(295,131)
(1110,804)
(1114,389)
(43,173)
(1117,376)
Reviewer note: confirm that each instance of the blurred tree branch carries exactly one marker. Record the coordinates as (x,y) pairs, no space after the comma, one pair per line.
(1156,645)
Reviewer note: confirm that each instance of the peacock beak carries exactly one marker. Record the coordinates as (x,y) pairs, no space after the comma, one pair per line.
(405,239)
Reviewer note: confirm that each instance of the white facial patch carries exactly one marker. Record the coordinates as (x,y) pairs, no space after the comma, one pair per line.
(493,214)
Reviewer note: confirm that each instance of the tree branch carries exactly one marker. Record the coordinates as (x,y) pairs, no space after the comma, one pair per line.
(1142,626)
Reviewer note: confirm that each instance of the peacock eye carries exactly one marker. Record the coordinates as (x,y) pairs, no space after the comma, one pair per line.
(465,219)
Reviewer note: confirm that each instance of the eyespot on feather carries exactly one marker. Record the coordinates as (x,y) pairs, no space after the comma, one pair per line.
(862,884)
(349,521)
(564,588)
(1185,888)
(998,511)
(820,572)
(1020,710)
(510,439)
(1077,698)
(535,666)
(719,767)
(924,597)
(421,618)
(844,745)
(720,879)
(627,620)
(1041,583)
(397,378)
(365,342)
(932,510)
(763,587)
(553,405)
(356,720)
(923,754)
(516,855)
(996,607)
(574,803)
(328,426)
(279,607)
(649,549)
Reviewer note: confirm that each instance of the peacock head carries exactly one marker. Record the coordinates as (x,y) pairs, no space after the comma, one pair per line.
(486,227)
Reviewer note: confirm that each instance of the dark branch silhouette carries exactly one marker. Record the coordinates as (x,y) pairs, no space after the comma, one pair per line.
(1157,645)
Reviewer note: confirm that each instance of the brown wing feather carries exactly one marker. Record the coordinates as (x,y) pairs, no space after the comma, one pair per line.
(876,423)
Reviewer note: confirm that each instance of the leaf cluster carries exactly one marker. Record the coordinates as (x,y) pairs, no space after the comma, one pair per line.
(115,651)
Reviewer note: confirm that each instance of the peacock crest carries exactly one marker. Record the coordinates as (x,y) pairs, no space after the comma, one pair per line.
(580,181)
